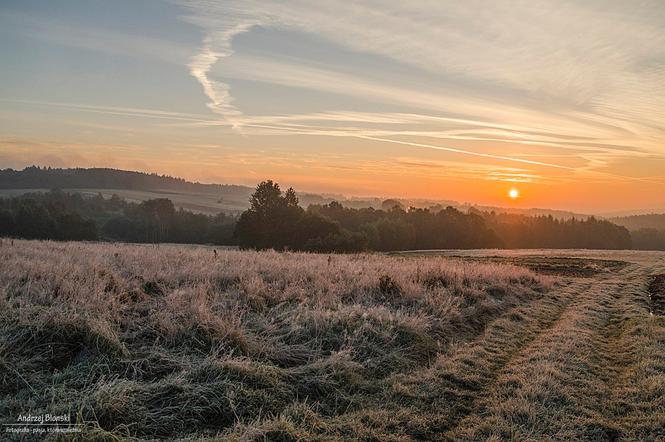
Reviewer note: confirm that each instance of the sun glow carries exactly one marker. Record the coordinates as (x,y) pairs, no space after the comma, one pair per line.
(513,193)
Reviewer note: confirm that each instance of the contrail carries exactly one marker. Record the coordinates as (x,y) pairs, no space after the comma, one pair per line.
(466,152)
(429,146)
(121,111)
(500,157)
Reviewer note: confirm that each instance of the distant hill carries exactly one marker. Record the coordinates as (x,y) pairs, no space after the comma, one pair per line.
(132,186)
(47,178)
(204,198)
(636,222)
(558,214)
(139,186)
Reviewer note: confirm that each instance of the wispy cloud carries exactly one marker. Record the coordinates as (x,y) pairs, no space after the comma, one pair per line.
(468,152)
(571,76)
(119,111)
(216,46)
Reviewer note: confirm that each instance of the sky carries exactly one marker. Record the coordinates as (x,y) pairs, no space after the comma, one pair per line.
(562,100)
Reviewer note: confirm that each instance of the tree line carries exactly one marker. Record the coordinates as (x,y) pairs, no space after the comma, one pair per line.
(71,216)
(648,239)
(276,220)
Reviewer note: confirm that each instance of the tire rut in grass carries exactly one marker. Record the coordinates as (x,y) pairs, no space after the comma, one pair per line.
(559,385)
(657,294)
(635,401)
(450,388)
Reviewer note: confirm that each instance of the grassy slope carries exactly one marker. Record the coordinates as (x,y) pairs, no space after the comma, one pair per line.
(170,342)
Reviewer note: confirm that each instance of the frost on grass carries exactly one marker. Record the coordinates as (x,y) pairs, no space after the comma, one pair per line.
(172,342)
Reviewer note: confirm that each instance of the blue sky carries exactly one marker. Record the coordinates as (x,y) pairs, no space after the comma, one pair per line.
(441,99)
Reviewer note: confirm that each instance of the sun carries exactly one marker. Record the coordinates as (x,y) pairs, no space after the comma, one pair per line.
(513,193)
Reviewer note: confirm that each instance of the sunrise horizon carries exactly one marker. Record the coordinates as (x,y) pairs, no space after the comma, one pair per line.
(510,197)
(563,101)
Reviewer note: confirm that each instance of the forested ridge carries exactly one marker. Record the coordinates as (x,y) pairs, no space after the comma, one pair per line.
(647,231)
(636,222)
(104,178)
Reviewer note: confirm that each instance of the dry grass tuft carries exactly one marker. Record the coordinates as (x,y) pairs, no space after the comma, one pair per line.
(172,342)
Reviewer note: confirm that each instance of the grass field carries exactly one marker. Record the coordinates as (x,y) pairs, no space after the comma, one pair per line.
(170,342)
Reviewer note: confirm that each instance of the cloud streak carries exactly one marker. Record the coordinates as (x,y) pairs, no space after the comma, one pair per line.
(215,47)
(118,111)
(468,152)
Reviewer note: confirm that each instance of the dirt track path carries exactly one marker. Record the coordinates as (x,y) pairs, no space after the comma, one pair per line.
(582,378)
(584,362)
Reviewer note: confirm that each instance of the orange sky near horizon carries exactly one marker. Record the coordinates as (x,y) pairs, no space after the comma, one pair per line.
(404,177)
(564,101)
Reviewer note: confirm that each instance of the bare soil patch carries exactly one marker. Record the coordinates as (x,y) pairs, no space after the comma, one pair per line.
(562,266)
(657,294)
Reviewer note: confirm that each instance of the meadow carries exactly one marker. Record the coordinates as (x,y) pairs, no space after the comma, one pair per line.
(168,342)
